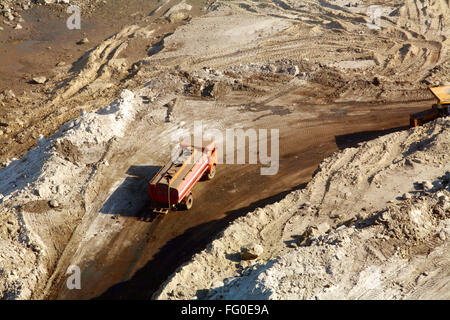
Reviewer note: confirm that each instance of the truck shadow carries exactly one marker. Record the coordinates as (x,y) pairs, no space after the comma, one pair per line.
(131,196)
(351,140)
(174,253)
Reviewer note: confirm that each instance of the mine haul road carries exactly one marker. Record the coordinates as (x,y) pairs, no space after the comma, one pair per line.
(134,261)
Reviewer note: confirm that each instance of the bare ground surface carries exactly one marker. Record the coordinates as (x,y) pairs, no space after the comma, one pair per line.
(314,70)
(350,234)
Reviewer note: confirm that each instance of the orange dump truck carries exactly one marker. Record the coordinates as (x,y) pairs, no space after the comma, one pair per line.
(180,175)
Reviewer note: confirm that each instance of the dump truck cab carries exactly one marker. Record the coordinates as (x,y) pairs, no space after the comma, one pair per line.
(440,109)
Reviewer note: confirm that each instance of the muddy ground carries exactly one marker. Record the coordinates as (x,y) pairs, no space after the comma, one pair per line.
(315,71)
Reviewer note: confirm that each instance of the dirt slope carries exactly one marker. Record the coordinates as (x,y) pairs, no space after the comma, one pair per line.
(368,240)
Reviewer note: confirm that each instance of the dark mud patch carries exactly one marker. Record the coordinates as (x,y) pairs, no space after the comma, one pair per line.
(37,206)
(68,151)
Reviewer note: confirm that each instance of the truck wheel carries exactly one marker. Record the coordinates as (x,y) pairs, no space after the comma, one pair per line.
(211,173)
(187,204)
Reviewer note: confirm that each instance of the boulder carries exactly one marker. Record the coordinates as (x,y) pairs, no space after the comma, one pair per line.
(9,94)
(294,71)
(39,80)
(53,204)
(176,17)
(251,251)
(406,196)
(83,41)
(427,185)
(323,228)
(46,1)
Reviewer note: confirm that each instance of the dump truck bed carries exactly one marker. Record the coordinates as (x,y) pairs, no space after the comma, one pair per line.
(442,94)
(176,172)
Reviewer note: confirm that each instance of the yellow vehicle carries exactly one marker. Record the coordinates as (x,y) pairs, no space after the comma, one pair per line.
(441,109)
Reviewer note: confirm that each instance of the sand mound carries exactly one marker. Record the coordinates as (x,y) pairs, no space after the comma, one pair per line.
(56,170)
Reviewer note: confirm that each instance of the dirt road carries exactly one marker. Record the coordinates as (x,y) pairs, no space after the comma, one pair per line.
(135,260)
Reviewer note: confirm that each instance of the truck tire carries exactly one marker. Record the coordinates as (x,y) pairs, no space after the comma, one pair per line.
(187,204)
(211,173)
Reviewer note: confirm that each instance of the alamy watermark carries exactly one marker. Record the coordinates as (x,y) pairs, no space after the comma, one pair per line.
(74,21)
(232,146)
(74,280)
